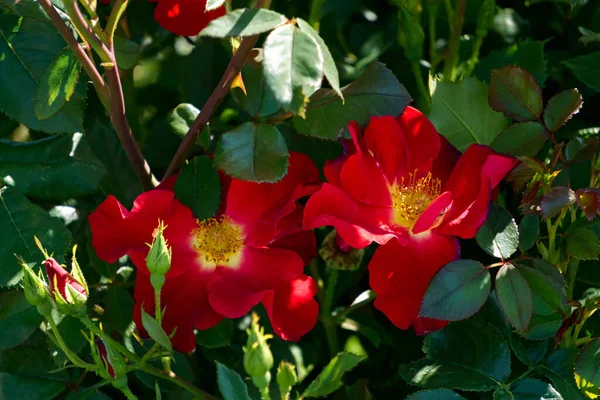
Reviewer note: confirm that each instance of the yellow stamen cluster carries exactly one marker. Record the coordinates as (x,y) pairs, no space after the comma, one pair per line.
(411,198)
(217,240)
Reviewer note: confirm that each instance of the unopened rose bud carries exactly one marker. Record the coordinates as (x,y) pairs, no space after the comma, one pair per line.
(159,257)
(69,294)
(258,359)
(286,378)
(36,290)
(112,364)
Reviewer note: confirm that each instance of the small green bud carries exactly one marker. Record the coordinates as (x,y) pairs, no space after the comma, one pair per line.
(338,255)
(286,378)
(158,259)
(262,382)
(36,290)
(258,359)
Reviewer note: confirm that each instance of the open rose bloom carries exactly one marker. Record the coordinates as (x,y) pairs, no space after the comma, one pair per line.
(253,251)
(403,186)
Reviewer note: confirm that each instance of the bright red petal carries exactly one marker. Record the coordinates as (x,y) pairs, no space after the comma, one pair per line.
(292,308)
(434,213)
(262,272)
(185,17)
(359,225)
(186,300)
(362,178)
(477,172)
(116,232)
(422,139)
(259,206)
(385,139)
(291,236)
(424,326)
(400,273)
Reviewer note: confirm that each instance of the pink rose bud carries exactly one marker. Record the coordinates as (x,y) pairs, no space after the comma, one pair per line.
(105,357)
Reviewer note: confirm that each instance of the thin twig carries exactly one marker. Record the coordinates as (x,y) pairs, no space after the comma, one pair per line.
(78,51)
(233,69)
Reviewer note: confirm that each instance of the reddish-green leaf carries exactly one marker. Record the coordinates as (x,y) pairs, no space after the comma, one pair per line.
(555,200)
(514,92)
(514,296)
(561,108)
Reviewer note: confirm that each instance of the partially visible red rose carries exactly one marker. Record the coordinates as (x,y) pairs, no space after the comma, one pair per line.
(403,186)
(183,17)
(59,278)
(251,252)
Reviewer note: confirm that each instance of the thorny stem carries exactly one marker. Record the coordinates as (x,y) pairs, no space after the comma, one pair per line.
(421,87)
(117,11)
(325,295)
(233,69)
(61,343)
(82,24)
(199,393)
(78,52)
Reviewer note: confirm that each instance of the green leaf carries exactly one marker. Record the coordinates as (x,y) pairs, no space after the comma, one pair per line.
(28,47)
(460,111)
(556,200)
(533,389)
(231,385)
(514,297)
(437,394)
(127,52)
(258,99)
(581,149)
(244,22)
(588,362)
(199,187)
(253,153)
(457,291)
(582,243)
(20,221)
(218,336)
(467,355)
(329,68)
(53,168)
(561,107)
(585,68)
(155,331)
(498,236)
(330,379)
(529,228)
(118,306)
(214,4)
(57,84)
(542,326)
(552,292)
(559,369)
(376,92)
(521,139)
(293,66)
(514,92)
(18,319)
(181,118)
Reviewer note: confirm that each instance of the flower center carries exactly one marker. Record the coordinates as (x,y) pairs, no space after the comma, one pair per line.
(217,240)
(411,198)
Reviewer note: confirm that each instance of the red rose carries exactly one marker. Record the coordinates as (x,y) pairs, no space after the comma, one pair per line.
(221,267)
(185,17)
(59,279)
(404,187)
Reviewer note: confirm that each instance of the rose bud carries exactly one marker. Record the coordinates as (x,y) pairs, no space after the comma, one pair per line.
(258,359)
(159,257)
(69,294)
(112,365)
(286,378)
(36,290)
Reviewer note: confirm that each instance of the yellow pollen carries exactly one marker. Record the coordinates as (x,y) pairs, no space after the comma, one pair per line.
(411,198)
(217,240)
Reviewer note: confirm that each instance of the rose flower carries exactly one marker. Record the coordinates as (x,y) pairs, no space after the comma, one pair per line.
(251,252)
(403,186)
